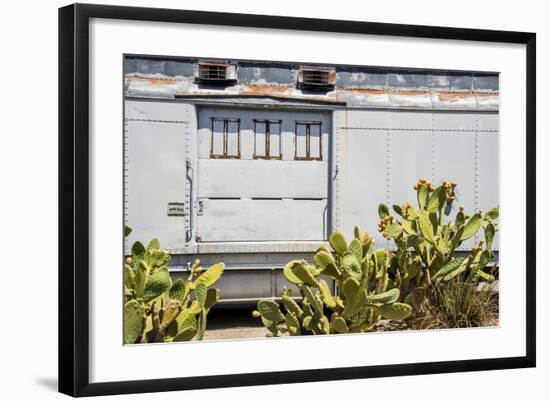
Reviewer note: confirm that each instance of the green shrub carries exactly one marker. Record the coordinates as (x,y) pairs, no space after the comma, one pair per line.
(456,304)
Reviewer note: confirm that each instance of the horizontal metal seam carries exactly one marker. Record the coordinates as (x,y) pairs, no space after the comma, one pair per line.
(158,121)
(418,129)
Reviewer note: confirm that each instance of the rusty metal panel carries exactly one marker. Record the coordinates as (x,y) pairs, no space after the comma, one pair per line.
(262,220)
(261,179)
(279,83)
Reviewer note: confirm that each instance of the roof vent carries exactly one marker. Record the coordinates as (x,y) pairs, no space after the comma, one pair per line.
(215,72)
(316,78)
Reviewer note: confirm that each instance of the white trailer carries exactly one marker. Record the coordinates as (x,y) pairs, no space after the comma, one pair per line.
(258,165)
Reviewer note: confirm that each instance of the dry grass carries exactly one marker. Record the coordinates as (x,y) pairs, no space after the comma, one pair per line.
(458,305)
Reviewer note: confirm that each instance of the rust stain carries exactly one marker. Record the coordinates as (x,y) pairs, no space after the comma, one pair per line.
(153,81)
(454,96)
(289,92)
(371,91)
(485,94)
(265,90)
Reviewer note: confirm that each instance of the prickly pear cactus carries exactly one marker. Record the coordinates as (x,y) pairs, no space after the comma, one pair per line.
(426,239)
(159,310)
(355,303)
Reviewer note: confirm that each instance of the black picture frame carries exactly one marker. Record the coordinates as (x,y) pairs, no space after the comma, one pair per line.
(74,198)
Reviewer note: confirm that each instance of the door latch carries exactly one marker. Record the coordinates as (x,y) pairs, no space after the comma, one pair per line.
(200,210)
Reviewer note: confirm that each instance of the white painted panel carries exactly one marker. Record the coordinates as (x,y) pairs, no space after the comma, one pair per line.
(232,138)
(155,110)
(301,140)
(218,138)
(376,119)
(155,171)
(262,220)
(274,140)
(247,116)
(455,161)
(411,159)
(488,121)
(410,119)
(262,178)
(260,139)
(315,141)
(362,180)
(489,173)
(458,121)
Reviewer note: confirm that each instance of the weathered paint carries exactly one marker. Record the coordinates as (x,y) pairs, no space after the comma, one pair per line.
(382,130)
(365,87)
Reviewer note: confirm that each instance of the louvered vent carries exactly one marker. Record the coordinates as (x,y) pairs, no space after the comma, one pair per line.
(215,72)
(316,78)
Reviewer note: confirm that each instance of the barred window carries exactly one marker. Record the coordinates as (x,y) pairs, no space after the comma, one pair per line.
(226,140)
(308,141)
(267,139)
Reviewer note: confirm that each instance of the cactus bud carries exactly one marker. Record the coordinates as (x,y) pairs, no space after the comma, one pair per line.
(128,260)
(255,313)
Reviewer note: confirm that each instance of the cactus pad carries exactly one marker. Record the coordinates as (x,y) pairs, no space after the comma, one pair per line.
(289,274)
(134,321)
(396,311)
(304,274)
(351,265)
(387,297)
(179,290)
(339,324)
(270,310)
(158,282)
(211,275)
(338,242)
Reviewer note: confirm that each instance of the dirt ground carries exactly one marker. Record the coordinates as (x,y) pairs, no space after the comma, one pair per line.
(234,322)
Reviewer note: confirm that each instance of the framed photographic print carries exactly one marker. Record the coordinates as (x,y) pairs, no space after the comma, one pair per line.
(251,199)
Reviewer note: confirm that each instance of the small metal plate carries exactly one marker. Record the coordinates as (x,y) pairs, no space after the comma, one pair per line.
(176,209)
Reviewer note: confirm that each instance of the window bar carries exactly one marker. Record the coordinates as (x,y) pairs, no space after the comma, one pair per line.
(308,139)
(225,137)
(267,129)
